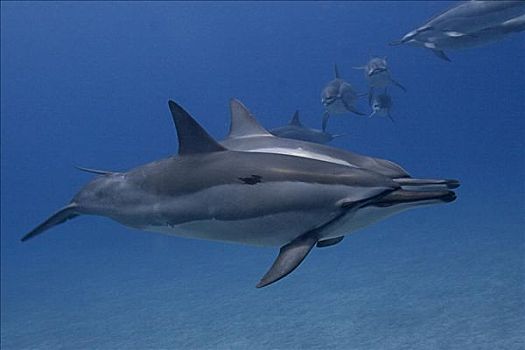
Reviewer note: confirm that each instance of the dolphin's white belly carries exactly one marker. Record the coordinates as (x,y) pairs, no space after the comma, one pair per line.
(271,230)
(269,214)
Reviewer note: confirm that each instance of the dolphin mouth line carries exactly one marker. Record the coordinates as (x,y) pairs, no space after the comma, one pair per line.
(328,102)
(377,71)
(406,197)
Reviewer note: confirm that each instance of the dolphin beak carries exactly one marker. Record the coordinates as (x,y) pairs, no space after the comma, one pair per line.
(415,197)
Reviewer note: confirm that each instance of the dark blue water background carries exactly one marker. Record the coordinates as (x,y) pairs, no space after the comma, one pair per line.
(88,83)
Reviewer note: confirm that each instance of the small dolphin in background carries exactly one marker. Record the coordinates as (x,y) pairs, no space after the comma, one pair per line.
(471,23)
(295,130)
(381,105)
(378,75)
(338,97)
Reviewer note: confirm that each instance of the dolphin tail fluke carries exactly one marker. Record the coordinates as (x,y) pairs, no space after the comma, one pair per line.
(372,114)
(355,111)
(427,184)
(441,54)
(61,216)
(290,256)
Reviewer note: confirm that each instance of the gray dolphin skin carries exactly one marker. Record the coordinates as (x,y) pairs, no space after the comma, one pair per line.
(468,24)
(378,75)
(210,192)
(381,105)
(297,131)
(338,97)
(246,134)
(440,43)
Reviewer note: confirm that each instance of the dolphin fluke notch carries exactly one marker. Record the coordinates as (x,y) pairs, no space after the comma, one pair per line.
(193,139)
(243,123)
(61,216)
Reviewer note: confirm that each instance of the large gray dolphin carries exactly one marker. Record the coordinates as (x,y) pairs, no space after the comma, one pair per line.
(297,131)
(210,192)
(378,75)
(468,24)
(246,134)
(338,97)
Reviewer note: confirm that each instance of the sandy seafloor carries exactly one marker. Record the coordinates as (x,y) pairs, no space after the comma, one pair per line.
(88,83)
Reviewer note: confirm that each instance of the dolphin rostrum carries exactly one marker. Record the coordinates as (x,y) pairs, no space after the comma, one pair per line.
(246,134)
(338,97)
(210,192)
(297,131)
(468,24)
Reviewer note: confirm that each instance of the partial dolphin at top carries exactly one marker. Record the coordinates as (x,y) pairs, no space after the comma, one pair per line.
(468,24)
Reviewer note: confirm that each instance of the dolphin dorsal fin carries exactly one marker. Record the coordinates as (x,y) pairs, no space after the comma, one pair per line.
(336,72)
(193,138)
(295,119)
(243,123)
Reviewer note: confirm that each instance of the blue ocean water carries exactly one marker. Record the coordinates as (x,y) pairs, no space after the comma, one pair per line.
(88,83)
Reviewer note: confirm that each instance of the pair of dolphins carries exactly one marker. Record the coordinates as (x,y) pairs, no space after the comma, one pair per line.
(338,96)
(468,24)
(253,188)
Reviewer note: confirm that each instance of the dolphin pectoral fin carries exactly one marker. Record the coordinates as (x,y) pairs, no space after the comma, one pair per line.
(290,256)
(390,117)
(351,108)
(326,116)
(355,111)
(396,83)
(61,216)
(329,242)
(336,72)
(441,54)
(94,171)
